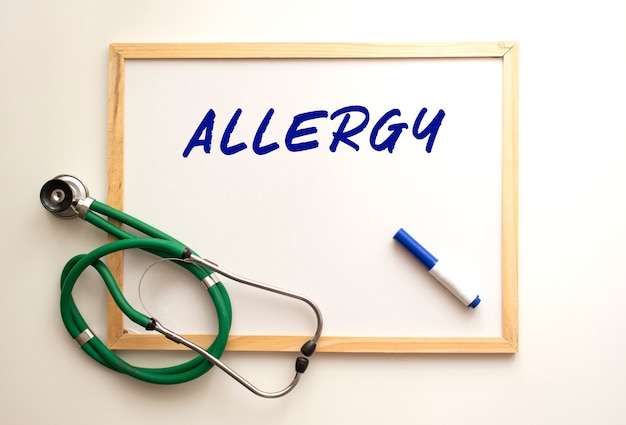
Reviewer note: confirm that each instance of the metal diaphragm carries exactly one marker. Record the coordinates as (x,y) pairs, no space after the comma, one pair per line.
(60,194)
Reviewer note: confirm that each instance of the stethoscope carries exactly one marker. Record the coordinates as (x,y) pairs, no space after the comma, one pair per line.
(67,197)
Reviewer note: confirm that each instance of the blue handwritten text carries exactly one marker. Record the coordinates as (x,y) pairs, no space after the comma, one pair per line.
(300,136)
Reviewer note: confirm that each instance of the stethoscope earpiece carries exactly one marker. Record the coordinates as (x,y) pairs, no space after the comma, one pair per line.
(60,194)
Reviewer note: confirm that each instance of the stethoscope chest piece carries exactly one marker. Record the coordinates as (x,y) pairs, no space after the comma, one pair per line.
(59,194)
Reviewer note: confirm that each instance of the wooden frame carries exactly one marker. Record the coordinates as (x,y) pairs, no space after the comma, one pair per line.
(118,338)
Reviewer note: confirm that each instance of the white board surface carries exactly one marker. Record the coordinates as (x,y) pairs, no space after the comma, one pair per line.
(316,221)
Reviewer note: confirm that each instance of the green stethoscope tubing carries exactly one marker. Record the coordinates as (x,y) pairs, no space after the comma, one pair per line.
(157,243)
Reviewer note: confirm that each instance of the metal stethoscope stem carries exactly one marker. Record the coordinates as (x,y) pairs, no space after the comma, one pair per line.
(236,376)
(281,291)
(301,362)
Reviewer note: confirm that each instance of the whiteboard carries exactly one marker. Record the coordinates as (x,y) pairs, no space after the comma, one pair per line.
(297,170)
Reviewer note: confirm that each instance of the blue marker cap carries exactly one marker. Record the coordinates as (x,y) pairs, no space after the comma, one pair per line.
(418,250)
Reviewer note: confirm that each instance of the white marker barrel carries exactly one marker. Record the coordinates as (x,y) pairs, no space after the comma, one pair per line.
(439,271)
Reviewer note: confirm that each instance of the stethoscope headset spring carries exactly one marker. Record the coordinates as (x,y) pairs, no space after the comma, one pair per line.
(67,197)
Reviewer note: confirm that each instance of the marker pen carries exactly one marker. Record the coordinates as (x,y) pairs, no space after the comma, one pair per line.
(436,269)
